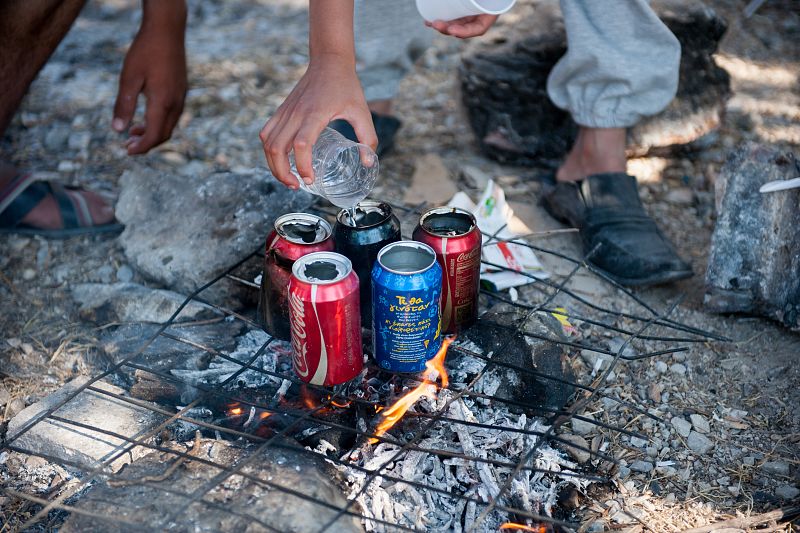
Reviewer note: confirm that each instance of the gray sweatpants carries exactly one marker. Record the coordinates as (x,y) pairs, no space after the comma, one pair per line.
(621,63)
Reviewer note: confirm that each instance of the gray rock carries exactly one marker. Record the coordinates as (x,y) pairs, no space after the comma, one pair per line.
(754,263)
(749,460)
(678,368)
(131,302)
(4,395)
(699,443)
(240,504)
(104,274)
(82,447)
(579,454)
(124,273)
(680,196)
(778,468)
(183,232)
(28,274)
(582,427)
(623,472)
(639,443)
(596,360)
(79,140)
(661,367)
(700,423)
(787,492)
(645,467)
(56,137)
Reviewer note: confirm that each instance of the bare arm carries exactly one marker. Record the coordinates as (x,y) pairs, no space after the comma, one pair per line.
(328,90)
(155,66)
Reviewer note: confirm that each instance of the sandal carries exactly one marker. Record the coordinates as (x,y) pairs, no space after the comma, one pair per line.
(386,127)
(25,192)
(609,214)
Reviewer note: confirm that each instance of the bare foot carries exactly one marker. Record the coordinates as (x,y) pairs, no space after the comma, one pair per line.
(596,150)
(380,107)
(46,215)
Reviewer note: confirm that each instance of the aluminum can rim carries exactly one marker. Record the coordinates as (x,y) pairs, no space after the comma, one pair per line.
(303,217)
(344,262)
(444,211)
(413,244)
(384,208)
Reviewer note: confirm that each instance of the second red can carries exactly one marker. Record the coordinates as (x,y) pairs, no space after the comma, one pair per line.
(325,319)
(454,235)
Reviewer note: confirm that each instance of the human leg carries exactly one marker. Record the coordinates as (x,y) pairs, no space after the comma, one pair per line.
(621,65)
(30,31)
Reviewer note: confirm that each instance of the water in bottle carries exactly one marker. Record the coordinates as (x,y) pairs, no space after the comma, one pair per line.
(344,171)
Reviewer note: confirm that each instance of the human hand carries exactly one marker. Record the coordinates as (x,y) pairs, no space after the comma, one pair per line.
(465,27)
(155,66)
(328,90)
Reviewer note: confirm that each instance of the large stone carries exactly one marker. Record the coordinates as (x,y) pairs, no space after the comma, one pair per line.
(296,492)
(754,264)
(504,87)
(183,232)
(131,302)
(82,449)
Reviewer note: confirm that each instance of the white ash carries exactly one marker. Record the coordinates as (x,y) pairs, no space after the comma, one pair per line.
(277,354)
(401,503)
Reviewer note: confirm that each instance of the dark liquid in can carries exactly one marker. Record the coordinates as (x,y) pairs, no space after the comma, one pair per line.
(321,271)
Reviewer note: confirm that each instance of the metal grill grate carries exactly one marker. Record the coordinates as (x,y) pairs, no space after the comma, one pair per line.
(596,318)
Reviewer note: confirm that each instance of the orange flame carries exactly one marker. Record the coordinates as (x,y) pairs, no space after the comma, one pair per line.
(433,369)
(340,405)
(523,527)
(236,411)
(264,415)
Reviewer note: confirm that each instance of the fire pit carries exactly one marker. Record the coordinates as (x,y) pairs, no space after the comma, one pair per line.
(473,443)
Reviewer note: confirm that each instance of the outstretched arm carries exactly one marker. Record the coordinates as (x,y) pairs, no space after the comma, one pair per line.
(328,90)
(155,66)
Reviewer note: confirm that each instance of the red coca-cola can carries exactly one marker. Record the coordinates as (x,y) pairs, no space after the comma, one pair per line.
(454,235)
(295,235)
(325,319)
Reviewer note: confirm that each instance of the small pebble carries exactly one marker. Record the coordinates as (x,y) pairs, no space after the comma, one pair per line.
(124,273)
(678,368)
(661,367)
(749,460)
(28,274)
(699,443)
(682,426)
(778,468)
(644,467)
(787,492)
(580,455)
(700,423)
(639,443)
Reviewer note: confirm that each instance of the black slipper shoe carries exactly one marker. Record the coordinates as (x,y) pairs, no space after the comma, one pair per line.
(608,212)
(386,127)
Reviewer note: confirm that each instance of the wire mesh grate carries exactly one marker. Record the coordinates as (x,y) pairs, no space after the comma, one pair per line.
(488,500)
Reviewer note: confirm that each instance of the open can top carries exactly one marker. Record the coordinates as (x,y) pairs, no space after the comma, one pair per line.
(303,228)
(368,213)
(322,268)
(447,222)
(406,257)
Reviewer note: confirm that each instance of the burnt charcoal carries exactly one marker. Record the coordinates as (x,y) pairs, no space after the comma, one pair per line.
(525,363)
(504,89)
(146,493)
(754,264)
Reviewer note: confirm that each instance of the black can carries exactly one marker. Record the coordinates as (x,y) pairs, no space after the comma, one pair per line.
(359,235)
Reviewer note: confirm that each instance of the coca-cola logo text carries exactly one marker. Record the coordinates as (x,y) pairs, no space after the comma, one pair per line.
(297,319)
(467,256)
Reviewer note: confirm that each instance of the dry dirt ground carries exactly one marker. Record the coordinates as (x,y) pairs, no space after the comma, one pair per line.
(244,57)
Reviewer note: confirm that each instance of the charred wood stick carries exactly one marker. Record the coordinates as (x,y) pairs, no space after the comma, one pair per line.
(161,477)
(784,513)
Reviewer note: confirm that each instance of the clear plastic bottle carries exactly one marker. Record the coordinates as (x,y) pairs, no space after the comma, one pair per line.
(344,171)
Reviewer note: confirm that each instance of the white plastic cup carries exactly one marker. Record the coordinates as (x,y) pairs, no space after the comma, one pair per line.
(455,9)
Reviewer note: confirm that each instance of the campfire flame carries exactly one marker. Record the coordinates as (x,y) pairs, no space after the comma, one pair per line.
(523,527)
(433,369)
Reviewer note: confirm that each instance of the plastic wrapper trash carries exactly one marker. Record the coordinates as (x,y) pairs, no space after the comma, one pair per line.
(498,225)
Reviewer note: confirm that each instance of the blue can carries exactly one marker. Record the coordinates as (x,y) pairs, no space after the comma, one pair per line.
(406,294)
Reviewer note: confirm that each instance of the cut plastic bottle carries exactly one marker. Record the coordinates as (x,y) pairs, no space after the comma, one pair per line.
(344,171)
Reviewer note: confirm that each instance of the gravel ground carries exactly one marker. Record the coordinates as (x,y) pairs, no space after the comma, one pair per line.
(731,423)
